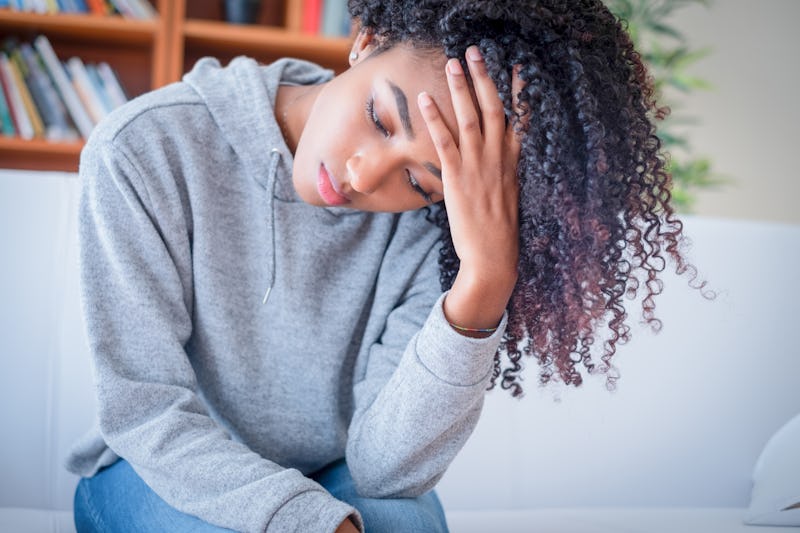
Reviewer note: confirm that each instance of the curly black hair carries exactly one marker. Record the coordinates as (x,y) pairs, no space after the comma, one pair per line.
(596,223)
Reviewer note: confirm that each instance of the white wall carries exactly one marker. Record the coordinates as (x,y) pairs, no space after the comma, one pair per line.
(749,119)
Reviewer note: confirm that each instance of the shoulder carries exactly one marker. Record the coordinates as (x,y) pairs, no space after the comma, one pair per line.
(155,109)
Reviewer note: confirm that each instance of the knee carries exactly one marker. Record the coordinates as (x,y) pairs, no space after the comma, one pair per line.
(84,514)
(399,515)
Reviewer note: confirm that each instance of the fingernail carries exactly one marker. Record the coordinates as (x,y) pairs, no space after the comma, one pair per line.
(474,54)
(424,99)
(454,67)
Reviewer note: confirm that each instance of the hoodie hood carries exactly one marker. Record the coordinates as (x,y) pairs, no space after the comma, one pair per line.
(241,99)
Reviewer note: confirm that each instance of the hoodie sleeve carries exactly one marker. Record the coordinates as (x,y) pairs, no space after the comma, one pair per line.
(419,399)
(137,297)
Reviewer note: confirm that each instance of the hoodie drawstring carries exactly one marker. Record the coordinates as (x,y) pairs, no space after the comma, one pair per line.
(275,156)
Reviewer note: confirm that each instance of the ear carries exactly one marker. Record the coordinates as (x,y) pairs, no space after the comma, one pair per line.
(363,46)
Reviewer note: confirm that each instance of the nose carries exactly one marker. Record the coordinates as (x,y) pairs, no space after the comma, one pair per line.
(366,174)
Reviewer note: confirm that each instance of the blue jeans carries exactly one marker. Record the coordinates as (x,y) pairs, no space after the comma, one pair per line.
(117,500)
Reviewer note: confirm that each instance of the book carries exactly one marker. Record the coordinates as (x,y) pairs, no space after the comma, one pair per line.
(98,7)
(142,9)
(19,72)
(71,100)
(22,122)
(6,90)
(99,88)
(312,16)
(111,83)
(85,89)
(335,19)
(80,6)
(124,8)
(328,23)
(6,124)
(58,125)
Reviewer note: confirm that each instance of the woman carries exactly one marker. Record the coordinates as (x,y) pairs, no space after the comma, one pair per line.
(264,250)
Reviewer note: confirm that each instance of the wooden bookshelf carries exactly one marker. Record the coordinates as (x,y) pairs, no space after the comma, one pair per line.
(149,54)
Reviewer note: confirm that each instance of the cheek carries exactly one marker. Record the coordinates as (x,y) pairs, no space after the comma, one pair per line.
(334,125)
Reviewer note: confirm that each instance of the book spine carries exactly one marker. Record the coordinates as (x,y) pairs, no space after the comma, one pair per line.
(98,7)
(99,88)
(124,9)
(59,77)
(143,9)
(81,6)
(6,124)
(21,76)
(39,6)
(110,81)
(85,89)
(20,115)
(52,109)
(5,88)
(312,13)
(334,18)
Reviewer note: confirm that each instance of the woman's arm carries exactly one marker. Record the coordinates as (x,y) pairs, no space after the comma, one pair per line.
(479,174)
(410,425)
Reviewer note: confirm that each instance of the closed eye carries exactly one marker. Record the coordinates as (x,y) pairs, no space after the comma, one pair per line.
(416,186)
(373,116)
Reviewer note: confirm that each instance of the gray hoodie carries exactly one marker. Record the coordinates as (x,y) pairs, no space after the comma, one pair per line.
(240,338)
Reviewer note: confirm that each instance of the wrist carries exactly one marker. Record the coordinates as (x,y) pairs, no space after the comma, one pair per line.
(474,306)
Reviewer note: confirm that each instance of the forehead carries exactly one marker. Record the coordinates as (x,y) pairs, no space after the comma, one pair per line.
(413,71)
(411,68)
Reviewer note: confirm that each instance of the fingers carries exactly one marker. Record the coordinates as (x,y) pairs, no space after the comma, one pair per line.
(482,130)
(443,141)
(469,126)
(491,108)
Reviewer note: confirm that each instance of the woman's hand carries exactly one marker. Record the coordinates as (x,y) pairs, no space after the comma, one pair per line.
(347,527)
(479,175)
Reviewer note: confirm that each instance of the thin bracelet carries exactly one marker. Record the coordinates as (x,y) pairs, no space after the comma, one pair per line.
(472,330)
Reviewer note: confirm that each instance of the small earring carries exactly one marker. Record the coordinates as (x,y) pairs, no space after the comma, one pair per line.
(353,56)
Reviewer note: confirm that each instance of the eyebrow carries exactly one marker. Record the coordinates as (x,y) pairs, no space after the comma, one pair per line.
(433,169)
(402,110)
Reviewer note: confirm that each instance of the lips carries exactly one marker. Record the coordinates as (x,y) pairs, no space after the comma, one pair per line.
(328,190)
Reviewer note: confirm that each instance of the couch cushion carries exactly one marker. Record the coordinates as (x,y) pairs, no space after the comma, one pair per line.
(21,520)
(775,498)
(605,520)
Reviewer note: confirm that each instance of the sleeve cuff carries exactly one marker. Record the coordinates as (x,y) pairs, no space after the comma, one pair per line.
(313,511)
(453,357)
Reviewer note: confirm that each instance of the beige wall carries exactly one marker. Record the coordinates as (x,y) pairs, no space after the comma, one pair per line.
(750,119)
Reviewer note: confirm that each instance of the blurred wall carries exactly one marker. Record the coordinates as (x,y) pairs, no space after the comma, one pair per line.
(749,120)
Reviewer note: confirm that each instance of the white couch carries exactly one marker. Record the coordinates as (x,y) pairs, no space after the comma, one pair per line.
(672,450)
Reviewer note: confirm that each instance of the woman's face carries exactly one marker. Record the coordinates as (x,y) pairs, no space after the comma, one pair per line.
(364,144)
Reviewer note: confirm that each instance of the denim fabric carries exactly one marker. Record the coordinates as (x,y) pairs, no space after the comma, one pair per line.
(117,500)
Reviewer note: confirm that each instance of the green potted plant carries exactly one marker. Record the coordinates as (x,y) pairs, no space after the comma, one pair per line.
(663,47)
